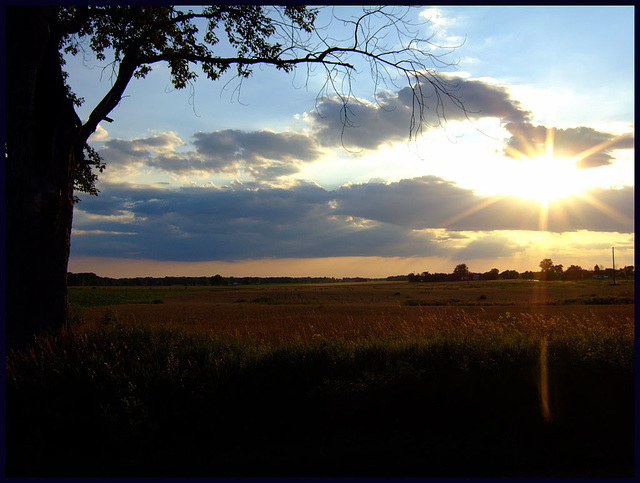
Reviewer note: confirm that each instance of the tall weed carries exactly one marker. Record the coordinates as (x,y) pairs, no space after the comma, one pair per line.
(126,399)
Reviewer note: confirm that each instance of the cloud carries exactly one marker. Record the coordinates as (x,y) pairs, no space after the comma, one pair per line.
(438,20)
(100,134)
(255,148)
(431,202)
(235,222)
(264,154)
(363,125)
(360,124)
(127,156)
(592,148)
(483,99)
(415,217)
(489,247)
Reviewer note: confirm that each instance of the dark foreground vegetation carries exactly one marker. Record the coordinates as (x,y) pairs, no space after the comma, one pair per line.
(463,396)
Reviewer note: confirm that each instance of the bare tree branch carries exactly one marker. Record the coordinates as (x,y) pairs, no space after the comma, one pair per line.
(396,50)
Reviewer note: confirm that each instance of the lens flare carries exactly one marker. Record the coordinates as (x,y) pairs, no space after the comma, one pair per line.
(544,383)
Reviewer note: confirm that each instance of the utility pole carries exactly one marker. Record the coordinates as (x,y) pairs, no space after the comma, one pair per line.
(613,256)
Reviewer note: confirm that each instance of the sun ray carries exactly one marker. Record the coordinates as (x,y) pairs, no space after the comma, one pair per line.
(543,217)
(594,149)
(540,175)
(476,207)
(549,142)
(604,208)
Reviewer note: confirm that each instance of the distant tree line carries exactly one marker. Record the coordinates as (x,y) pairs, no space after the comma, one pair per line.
(92,280)
(549,271)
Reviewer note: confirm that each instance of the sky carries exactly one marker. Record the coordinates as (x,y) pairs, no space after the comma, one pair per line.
(261,178)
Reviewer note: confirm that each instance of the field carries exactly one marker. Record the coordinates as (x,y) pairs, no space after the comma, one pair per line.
(491,378)
(294,312)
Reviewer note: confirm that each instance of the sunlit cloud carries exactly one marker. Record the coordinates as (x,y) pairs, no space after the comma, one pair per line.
(414,217)
(441,24)
(512,250)
(490,246)
(100,134)
(263,155)
(586,146)
(77,232)
(366,126)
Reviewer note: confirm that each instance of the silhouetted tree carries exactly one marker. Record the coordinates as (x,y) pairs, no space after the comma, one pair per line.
(550,271)
(413,278)
(509,275)
(575,272)
(546,265)
(217,280)
(461,272)
(490,275)
(47,155)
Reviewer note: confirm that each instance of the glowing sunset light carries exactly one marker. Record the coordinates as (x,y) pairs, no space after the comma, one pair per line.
(269,181)
(545,177)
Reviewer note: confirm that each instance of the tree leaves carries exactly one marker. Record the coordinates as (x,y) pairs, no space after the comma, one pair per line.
(86,178)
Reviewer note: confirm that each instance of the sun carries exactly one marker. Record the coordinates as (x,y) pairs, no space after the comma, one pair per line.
(545,179)
(541,176)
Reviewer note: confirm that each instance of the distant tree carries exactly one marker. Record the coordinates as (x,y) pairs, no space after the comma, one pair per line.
(575,272)
(84,279)
(461,272)
(435,277)
(492,274)
(413,278)
(529,275)
(509,275)
(397,278)
(549,270)
(217,280)
(47,155)
(546,265)
(628,271)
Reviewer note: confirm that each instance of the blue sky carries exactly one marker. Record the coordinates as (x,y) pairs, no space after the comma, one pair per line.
(253,181)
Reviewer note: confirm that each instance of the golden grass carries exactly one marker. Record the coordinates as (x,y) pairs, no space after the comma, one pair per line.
(369,310)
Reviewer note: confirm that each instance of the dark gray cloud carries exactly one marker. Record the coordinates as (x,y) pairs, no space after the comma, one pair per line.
(365,125)
(359,126)
(470,99)
(482,99)
(264,154)
(226,224)
(135,152)
(591,146)
(431,202)
(253,148)
(395,219)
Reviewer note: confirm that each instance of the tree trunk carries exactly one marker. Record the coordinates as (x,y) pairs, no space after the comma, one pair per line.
(42,131)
